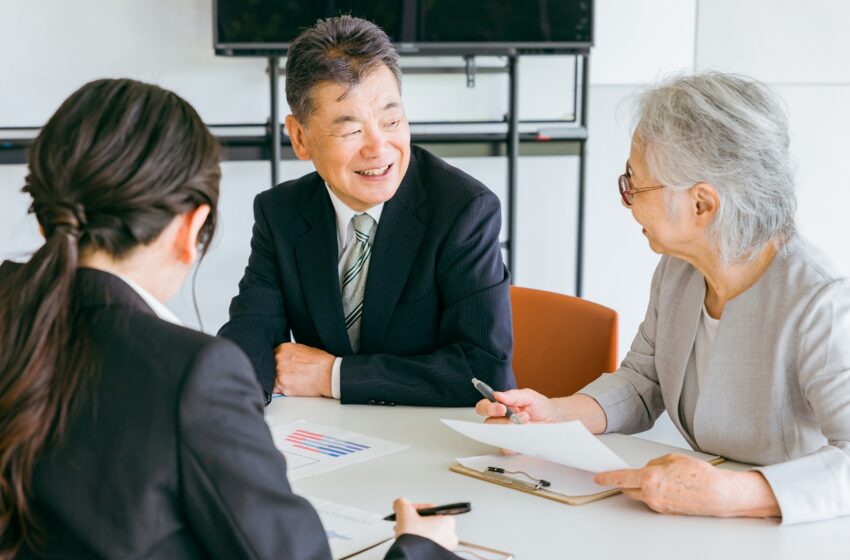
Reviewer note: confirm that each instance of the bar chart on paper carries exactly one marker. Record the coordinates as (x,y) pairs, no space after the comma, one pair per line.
(323,444)
(312,448)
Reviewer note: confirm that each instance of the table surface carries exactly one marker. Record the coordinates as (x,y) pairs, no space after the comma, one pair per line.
(526,525)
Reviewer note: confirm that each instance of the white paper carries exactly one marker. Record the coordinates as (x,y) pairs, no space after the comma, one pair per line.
(312,448)
(350,530)
(637,452)
(566,443)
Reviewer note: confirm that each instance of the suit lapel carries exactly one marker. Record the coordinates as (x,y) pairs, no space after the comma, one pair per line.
(394,251)
(683,326)
(316,253)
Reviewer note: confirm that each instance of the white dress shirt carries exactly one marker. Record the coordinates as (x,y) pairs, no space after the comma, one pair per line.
(344,236)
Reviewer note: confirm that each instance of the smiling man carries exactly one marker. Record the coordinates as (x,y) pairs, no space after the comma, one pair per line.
(378,278)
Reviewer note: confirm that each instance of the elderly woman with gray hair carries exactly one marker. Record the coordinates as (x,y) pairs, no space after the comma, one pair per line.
(746,340)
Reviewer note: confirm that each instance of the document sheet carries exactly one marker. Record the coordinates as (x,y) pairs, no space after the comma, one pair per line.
(566,443)
(350,530)
(312,448)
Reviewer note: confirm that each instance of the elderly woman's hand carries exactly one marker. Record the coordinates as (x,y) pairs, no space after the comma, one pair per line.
(531,406)
(680,484)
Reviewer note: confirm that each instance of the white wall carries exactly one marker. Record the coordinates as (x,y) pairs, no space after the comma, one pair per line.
(799,48)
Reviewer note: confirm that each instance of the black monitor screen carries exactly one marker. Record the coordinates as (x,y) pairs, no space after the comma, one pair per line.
(428,24)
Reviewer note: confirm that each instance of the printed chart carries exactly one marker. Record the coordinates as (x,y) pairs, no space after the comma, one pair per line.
(323,443)
(313,448)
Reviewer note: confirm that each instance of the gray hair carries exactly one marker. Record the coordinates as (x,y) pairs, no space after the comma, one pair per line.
(731,132)
(342,50)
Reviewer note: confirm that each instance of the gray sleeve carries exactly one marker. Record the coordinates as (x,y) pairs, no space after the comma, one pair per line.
(817,486)
(631,396)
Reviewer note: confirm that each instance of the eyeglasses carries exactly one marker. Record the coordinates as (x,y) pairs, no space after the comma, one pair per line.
(627,190)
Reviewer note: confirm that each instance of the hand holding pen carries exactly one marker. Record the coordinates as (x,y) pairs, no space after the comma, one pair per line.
(415,519)
(490,395)
(526,405)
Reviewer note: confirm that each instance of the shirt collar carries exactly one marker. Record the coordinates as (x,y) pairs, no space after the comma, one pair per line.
(344,215)
(156,306)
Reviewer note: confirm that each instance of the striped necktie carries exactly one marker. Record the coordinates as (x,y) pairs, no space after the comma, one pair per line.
(354,281)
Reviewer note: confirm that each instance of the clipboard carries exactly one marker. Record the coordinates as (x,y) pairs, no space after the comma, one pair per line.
(529,488)
(477,552)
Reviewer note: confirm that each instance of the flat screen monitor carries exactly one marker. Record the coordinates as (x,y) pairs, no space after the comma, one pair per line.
(260,27)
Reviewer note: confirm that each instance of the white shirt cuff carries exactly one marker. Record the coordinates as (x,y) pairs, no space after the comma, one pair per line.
(335,378)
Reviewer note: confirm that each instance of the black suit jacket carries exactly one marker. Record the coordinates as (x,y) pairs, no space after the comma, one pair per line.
(437,306)
(169,456)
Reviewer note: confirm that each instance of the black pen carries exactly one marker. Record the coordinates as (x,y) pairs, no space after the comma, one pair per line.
(448,509)
(487,391)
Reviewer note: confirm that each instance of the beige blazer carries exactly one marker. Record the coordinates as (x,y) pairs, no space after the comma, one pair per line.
(776,390)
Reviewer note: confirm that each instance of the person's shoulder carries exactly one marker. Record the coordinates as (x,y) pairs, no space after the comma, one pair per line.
(170,350)
(806,262)
(450,185)
(290,194)
(804,271)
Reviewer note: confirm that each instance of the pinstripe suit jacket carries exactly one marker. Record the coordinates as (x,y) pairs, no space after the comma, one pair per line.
(776,389)
(436,307)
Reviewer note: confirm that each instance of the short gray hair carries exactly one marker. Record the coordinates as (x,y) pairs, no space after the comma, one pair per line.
(731,132)
(342,50)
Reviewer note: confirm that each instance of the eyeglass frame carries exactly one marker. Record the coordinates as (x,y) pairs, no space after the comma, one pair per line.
(628,190)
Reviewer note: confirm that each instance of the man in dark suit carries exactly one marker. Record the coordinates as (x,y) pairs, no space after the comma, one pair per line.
(435,310)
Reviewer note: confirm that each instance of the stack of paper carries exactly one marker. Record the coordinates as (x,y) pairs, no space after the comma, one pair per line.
(566,454)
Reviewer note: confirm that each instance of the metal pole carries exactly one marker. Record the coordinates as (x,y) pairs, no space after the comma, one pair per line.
(582,172)
(274,118)
(513,155)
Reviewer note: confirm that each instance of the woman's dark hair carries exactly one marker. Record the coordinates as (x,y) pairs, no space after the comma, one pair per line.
(108,172)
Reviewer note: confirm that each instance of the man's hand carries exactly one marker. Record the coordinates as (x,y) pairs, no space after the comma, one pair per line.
(684,485)
(302,371)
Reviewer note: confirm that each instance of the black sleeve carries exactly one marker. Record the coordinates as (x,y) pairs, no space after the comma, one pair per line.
(258,322)
(475,331)
(414,547)
(233,479)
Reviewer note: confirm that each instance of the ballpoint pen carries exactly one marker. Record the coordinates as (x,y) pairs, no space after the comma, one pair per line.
(448,509)
(487,391)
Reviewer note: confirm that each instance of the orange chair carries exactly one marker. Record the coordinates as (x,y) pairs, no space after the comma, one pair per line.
(561,343)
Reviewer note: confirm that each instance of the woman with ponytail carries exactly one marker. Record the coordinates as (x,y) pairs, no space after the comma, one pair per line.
(122,433)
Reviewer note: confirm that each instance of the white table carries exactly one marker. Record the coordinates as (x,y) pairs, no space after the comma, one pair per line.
(532,528)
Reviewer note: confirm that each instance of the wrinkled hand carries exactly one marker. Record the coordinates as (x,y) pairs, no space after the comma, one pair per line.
(684,485)
(302,371)
(438,528)
(529,405)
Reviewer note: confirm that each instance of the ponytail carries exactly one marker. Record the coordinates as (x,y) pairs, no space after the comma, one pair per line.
(40,370)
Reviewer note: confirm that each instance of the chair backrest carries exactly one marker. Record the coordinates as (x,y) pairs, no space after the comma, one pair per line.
(561,343)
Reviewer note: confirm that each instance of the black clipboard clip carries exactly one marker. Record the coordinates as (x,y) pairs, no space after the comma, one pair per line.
(502,474)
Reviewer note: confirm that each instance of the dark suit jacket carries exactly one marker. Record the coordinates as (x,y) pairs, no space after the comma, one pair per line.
(169,456)
(437,307)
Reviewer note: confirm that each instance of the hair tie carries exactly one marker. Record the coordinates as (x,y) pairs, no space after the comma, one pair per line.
(65,217)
